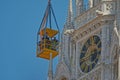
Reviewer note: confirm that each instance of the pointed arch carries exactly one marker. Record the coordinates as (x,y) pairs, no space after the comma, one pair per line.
(62,72)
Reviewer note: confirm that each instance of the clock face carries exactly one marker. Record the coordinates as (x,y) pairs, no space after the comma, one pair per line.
(90,54)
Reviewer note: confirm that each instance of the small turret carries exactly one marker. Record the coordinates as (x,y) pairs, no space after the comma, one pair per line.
(68,27)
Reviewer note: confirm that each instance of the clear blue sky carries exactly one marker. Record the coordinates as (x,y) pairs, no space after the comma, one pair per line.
(19,23)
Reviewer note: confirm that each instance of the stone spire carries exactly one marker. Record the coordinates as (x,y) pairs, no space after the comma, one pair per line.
(66,36)
(70,13)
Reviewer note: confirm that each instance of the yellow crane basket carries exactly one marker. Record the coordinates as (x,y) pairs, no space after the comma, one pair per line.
(47,44)
(48,38)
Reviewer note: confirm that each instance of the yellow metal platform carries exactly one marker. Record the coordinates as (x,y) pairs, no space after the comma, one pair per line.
(45,53)
(49,32)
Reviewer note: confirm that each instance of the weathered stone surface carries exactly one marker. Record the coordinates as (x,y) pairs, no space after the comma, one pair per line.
(101,19)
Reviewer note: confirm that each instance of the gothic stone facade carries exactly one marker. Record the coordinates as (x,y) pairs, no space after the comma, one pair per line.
(99,18)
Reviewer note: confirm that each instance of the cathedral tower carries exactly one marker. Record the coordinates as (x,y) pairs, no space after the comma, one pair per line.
(90,41)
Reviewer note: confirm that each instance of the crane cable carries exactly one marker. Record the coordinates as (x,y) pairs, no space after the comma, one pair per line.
(47,13)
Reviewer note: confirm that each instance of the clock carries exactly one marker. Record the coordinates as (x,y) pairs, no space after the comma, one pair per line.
(90,54)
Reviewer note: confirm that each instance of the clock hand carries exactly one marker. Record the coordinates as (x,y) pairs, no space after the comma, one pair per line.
(87,56)
(84,59)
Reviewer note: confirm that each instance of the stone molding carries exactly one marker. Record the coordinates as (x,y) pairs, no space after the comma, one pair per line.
(91,27)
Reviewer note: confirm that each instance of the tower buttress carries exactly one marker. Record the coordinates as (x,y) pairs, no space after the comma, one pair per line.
(66,37)
(118,28)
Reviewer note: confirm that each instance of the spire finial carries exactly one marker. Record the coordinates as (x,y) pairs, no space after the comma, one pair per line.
(70,12)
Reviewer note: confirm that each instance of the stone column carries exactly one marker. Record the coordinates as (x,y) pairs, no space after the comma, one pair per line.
(106,62)
(103,50)
(90,2)
(77,59)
